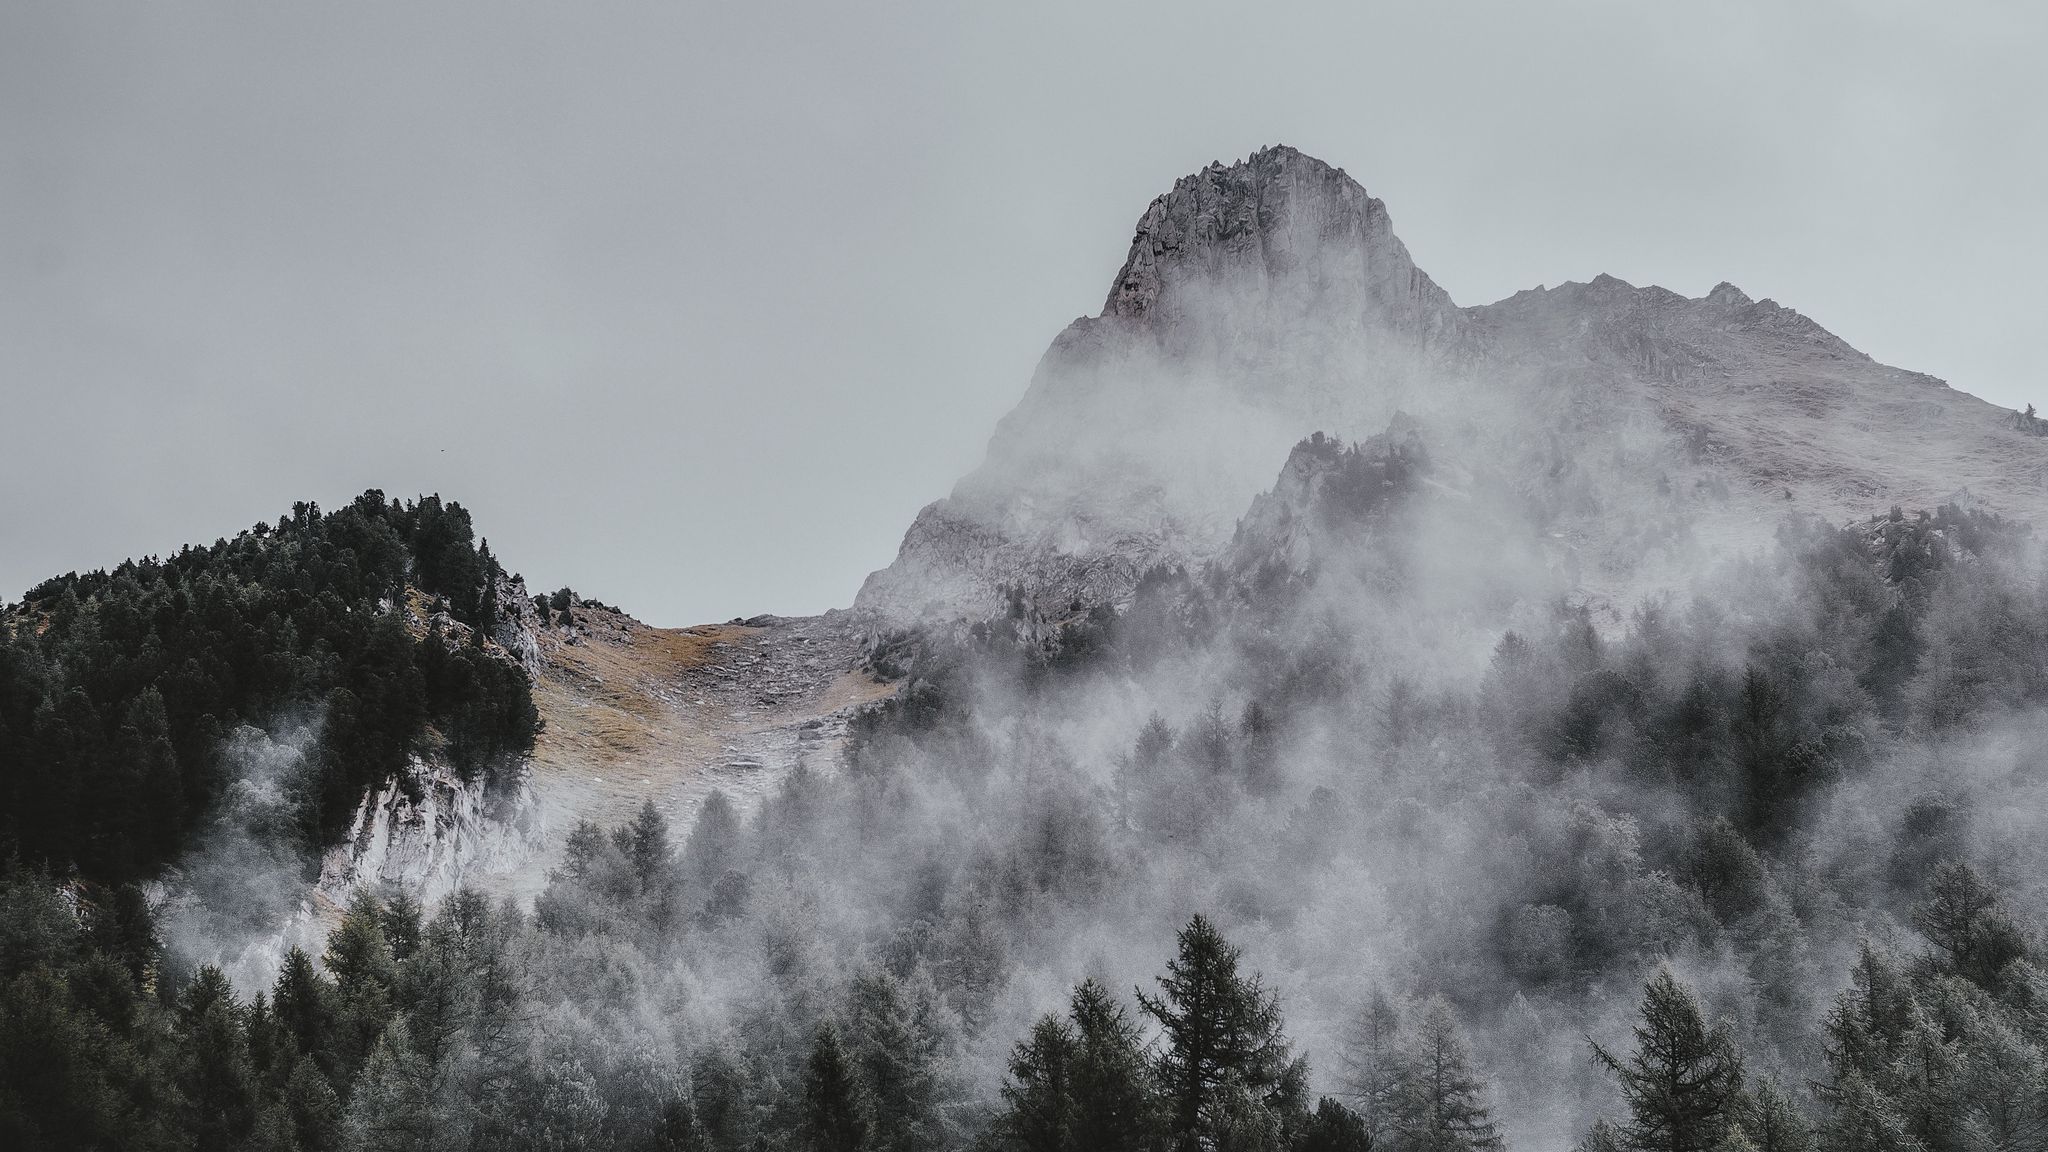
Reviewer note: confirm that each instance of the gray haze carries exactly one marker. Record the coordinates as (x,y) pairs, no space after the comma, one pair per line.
(696,305)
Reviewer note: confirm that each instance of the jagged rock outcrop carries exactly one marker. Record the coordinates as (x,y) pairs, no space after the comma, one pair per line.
(1261,301)
(430,832)
(1253,298)
(1327,497)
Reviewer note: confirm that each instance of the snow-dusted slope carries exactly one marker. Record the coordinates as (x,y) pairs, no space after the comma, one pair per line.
(1269,299)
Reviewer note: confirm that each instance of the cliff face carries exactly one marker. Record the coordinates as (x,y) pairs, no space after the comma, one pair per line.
(1269,299)
(429,833)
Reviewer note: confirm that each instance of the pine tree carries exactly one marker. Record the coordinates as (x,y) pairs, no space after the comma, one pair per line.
(835,1110)
(303,1003)
(1683,1082)
(1219,1026)
(401,920)
(392,1107)
(1770,1121)
(1926,1084)
(1603,1136)
(649,848)
(359,958)
(1114,1104)
(1039,1095)
(1335,1128)
(677,1130)
(1863,1119)
(714,843)
(313,1109)
(1866,1028)
(1370,1063)
(895,1050)
(215,1077)
(718,1098)
(2005,1088)
(1438,1101)
(1971,935)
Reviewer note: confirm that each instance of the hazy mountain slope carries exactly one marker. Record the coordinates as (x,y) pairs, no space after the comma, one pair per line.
(1270,298)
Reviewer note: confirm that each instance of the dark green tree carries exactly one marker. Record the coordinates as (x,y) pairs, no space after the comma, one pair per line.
(1767,1117)
(1218,1027)
(1685,1078)
(1334,1128)
(1040,1113)
(359,958)
(215,1075)
(835,1108)
(1970,934)
(1115,1106)
(895,1051)
(302,1001)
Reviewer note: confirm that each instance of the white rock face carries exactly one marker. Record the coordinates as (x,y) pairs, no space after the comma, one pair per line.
(429,834)
(1270,299)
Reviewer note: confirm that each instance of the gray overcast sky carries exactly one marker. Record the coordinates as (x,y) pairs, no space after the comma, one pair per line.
(695,304)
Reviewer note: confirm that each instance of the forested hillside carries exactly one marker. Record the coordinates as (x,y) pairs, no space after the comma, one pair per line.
(1362,836)
(119,690)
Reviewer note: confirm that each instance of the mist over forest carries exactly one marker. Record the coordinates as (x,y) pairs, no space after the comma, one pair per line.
(1523,760)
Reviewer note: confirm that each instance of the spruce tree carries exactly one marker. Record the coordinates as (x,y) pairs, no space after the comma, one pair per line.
(1926,1083)
(1971,935)
(392,1107)
(302,1001)
(1685,1078)
(1219,1027)
(2005,1087)
(893,1046)
(1861,1118)
(835,1110)
(1770,1121)
(359,957)
(1439,1102)
(1114,1104)
(402,920)
(1335,1128)
(1039,1112)
(215,1077)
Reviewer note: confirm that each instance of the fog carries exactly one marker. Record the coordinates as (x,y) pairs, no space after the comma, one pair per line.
(1388,743)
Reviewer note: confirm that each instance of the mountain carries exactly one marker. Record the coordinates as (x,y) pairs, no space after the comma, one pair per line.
(1268,299)
(1297,623)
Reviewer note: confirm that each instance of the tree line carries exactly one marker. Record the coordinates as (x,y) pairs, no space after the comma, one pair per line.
(119,689)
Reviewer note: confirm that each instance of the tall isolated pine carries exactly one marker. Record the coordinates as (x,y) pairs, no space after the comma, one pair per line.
(1685,1079)
(1220,1028)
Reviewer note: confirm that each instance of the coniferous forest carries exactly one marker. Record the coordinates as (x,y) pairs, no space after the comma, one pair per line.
(1250,864)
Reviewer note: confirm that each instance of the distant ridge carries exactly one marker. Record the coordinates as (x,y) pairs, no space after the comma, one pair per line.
(1268,299)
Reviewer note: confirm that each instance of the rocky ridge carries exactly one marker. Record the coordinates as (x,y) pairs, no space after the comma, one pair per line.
(1268,299)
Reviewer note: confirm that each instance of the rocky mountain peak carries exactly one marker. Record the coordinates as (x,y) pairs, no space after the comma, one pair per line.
(1269,298)
(1291,225)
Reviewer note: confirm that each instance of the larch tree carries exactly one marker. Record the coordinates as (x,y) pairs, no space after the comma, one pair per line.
(1439,1102)
(1685,1078)
(1219,1027)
